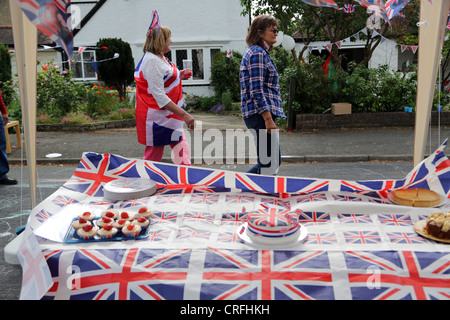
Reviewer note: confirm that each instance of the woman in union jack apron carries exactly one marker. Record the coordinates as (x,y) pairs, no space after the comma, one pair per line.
(160,110)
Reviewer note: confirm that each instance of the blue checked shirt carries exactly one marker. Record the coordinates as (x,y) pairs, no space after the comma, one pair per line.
(260,88)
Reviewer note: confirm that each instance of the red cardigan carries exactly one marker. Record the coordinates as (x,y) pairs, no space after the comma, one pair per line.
(2,105)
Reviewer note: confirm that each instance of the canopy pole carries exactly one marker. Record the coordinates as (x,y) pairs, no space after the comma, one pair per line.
(433,21)
(25,45)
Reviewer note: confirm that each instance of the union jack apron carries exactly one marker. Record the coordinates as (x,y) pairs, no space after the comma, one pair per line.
(157,126)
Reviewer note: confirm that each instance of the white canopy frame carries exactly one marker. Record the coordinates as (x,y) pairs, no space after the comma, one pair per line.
(25,45)
(433,22)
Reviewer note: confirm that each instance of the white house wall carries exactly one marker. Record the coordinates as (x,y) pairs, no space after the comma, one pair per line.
(194,24)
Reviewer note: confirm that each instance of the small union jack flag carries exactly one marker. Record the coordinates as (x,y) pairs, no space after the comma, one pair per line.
(354,218)
(313,218)
(349,8)
(234,218)
(186,234)
(405,237)
(395,219)
(62,200)
(164,217)
(237,199)
(198,217)
(362,237)
(321,238)
(318,196)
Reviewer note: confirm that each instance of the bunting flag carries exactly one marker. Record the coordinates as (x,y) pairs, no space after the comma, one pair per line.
(377,7)
(322,3)
(349,8)
(393,7)
(52,17)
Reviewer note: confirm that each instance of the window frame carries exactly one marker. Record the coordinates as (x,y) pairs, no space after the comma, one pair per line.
(83,78)
(207,63)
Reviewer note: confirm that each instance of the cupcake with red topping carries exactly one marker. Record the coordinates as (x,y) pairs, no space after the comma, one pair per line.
(110,213)
(131,230)
(125,216)
(143,212)
(87,215)
(88,232)
(104,221)
(142,222)
(121,223)
(107,232)
(80,223)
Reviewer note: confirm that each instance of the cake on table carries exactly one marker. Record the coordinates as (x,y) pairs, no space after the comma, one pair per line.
(121,223)
(416,197)
(125,216)
(438,225)
(87,232)
(87,215)
(110,213)
(104,221)
(131,230)
(144,212)
(80,223)
(142,222)
(107,232)
(272,228)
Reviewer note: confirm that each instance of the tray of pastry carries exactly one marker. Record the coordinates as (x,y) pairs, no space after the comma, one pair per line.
(99,229)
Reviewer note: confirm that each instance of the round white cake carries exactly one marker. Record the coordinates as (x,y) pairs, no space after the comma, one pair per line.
(273,228)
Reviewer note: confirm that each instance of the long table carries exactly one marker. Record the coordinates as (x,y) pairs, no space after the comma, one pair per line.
(359,244)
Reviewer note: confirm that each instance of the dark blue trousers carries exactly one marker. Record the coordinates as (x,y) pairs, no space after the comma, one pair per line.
(4,165)
(267,146)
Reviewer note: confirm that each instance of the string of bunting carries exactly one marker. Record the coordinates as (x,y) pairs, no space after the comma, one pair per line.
(329,46)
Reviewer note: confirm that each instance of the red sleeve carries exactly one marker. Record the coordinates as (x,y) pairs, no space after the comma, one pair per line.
(2,105)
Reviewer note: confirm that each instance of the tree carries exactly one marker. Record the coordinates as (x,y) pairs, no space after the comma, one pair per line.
(320,23)
(117,73)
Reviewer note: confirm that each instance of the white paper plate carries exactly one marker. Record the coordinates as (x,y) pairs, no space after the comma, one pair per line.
(242,233)
(53,155)
(129,188)
(441,203)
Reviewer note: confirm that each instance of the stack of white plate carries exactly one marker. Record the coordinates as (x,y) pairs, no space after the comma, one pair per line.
(129,188)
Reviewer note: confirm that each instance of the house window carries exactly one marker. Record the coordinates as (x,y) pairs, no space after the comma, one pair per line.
(201,62)
(80,65)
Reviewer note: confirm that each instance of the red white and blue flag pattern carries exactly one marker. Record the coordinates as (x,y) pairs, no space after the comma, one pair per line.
(53,18)
(393,7)
(359,244)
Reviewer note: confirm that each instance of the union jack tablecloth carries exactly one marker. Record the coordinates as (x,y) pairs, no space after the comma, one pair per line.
(359,244)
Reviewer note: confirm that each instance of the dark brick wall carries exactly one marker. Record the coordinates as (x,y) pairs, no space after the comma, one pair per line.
(365,120)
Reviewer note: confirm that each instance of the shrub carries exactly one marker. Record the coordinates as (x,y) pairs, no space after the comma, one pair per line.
(57,93)
(225,75)
(76,118)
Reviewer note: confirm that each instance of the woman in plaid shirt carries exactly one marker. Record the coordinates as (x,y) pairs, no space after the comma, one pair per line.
(260,94)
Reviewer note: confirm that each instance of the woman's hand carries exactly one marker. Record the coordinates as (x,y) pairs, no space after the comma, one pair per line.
(186,73)
(189,120)
(270,124)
